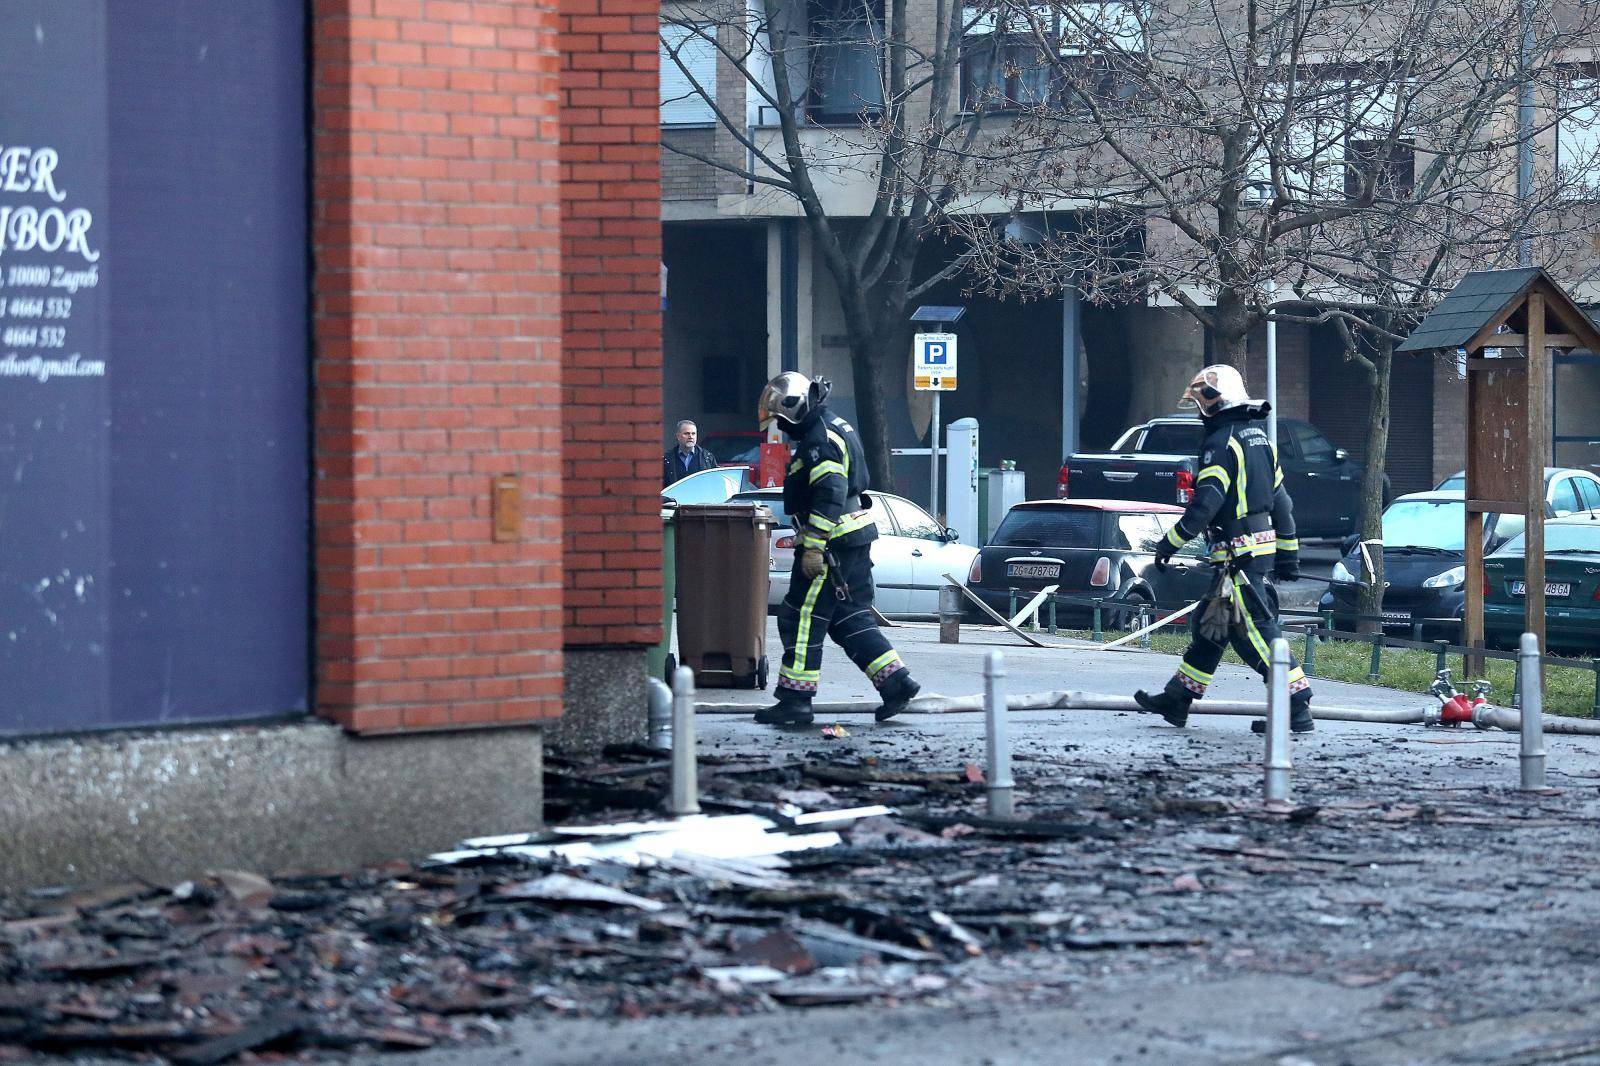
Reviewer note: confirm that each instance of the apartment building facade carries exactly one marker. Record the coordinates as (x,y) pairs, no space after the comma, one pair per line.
(747,292)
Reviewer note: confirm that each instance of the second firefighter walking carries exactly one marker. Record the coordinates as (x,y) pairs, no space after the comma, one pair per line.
(1242,509)
(830,590)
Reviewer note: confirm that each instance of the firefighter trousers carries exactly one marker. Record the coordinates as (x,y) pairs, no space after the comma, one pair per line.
(837,604)
(1251,637)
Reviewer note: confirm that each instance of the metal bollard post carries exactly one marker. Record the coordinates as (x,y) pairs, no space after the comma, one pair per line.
(1002,803)
(1516,683)
(685,781)
(1532,714)
(659,722)
(1011,610)
(1442,660)
(1144,620)
(1327,621)
(1099,634)
(949,615)
(1052,616)
(1278,762)
(1416,632)
(1595,665)
(1308,661)
(1375,668)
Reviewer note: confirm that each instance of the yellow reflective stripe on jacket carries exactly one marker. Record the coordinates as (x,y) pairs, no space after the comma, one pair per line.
(1175,538)
(1277,471)
(844,453)
(1215,472)
(811,540)
(1238,453)
(851,523)
(826,467)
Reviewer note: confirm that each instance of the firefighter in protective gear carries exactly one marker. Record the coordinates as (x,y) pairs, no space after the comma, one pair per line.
(830,589)
(1247,518)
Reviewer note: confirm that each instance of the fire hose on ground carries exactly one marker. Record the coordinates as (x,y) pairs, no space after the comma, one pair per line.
(1277,762)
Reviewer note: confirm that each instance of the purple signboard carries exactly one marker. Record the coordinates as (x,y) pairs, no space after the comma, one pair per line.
(153,364)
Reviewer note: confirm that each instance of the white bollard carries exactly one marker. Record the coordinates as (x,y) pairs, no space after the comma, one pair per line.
(1002,801)
(685,782)
(1532,714)
(659,721)
(1278,762)
(949,614)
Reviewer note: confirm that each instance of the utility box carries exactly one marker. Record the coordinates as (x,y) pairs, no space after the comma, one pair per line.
(722,552)
(961,479)
(1002,490)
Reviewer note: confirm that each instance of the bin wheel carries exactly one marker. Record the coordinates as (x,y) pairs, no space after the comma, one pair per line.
(761,673)
(672,668)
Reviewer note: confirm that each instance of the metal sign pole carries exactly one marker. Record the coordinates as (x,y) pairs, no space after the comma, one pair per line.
(933,460)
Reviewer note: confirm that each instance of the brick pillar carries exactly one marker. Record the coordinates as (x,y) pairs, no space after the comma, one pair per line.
(437,362)
(611,355)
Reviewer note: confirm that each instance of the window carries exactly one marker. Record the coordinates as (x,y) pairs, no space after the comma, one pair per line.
(1588,493)
(1337,135)
(1578,135)
(1006,61)
(846,59)
(1139,532)
(880,516)
(1174,438)
(1049,527)
(914,521)
(681,103)
(1565,497)
(1314,447)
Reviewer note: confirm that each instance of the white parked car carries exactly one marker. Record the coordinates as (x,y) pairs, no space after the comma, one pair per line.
(912,549)
(708,486)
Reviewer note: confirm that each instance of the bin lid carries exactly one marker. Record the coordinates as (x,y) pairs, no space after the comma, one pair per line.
(755,513)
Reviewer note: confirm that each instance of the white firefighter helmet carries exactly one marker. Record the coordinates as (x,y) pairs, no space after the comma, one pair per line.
(790,397)
(1215,388)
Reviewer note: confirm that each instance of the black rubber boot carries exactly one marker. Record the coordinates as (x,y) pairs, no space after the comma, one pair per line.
(790,710)
(897,693)
(1175,709)
(1300,720)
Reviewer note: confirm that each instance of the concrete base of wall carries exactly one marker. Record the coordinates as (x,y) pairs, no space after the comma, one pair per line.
(605,700)
(168,806)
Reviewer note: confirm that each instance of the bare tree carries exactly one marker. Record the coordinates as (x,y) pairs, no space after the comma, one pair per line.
(892,111)
(1362,155)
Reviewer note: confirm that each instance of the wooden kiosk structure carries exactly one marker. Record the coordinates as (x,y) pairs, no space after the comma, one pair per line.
(1505,323)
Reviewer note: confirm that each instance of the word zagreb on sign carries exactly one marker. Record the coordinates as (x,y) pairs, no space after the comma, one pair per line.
(36,298)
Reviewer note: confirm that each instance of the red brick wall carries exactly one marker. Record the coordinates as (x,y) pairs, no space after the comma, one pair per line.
(611,320)
(437,361)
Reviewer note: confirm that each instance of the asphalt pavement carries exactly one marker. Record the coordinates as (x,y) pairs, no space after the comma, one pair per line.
(1415,908)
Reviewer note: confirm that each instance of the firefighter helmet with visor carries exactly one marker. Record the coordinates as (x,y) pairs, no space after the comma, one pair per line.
(790,398)
(1215,388)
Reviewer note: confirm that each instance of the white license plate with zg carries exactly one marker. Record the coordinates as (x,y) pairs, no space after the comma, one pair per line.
(1553,589)
(1033,570)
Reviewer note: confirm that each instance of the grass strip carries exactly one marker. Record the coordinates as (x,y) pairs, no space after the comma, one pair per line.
(1568,690)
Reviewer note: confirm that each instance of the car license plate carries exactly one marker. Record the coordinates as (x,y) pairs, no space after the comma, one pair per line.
(1397,616)
(1033,570)
(1554,589)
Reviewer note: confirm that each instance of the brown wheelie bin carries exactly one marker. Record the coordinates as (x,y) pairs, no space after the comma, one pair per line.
(722,554)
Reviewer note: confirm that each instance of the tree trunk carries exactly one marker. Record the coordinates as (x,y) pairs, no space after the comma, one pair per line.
(867,374)
(1230,331)
(1372,482)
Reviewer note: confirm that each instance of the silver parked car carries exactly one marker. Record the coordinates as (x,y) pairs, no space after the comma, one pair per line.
(912,549)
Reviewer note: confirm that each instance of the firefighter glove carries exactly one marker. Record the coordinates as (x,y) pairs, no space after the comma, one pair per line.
(1164,553)
(1286,566)
(812,564)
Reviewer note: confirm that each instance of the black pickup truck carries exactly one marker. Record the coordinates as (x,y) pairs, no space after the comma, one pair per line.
(1156,461)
